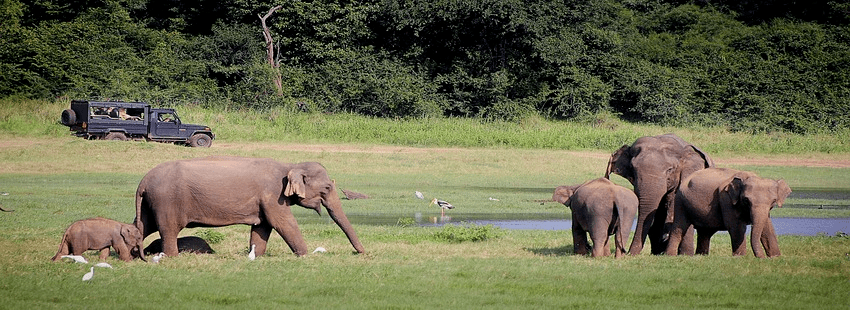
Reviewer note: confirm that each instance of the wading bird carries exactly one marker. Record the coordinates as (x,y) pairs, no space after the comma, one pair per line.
(419,195)
(443,206)
(252,255)
(88,275)
(103,265)
(76,258)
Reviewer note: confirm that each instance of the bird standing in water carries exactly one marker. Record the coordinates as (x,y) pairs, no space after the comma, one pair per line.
(443,206)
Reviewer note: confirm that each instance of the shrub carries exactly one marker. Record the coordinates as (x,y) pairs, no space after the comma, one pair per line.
(468,232)
(211,236)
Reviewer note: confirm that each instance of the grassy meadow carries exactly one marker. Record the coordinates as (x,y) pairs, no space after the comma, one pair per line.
(54,179)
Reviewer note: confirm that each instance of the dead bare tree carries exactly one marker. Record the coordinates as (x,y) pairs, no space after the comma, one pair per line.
(270,53)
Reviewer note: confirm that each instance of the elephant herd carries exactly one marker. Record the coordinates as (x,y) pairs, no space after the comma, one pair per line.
(676,189)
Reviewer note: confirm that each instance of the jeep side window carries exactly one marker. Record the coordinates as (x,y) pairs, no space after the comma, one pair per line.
(166,117)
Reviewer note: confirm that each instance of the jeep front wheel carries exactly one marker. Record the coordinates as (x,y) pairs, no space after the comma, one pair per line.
(117,136)
(200,140)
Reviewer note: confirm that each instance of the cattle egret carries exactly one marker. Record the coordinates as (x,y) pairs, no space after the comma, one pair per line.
(103,265)
(442,204)
(158,257)
(89,275)
(493,199)
(419,195)
(252,255)
(320,250)
(76,258)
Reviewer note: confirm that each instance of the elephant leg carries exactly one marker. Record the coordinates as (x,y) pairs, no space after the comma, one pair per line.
(676,232)
(169,240)
(738,234)
(579,239)
(704,241)
(104,253)
(260,237)
(768,239)
(657,231)
(123,251)
(287,227)
(600,243)
(686,246)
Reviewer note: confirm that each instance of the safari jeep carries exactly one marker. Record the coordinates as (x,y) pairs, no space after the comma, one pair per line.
(132,121)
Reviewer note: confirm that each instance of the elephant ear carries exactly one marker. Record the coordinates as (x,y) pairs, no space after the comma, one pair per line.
(127,233)
(295,184)
(734,189)
(709,163)
(782,190)
(621,163)
(562,194)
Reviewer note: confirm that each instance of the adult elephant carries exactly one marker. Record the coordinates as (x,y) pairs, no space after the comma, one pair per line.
(655,165)
(726,199)
(221,191)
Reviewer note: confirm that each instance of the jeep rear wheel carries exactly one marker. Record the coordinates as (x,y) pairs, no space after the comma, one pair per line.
(69,118)
(200,140)
(117,136)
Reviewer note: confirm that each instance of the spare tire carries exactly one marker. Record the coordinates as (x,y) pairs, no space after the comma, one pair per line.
(69,118)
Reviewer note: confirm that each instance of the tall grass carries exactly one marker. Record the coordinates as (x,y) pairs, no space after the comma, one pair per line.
(603,132)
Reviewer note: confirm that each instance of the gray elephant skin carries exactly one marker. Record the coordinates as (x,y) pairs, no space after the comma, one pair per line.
(221,191)
(99,234)
(655,165)
(601,208)
(717,199)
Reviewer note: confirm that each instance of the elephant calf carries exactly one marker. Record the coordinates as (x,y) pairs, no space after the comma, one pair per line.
(726,199)
(99,234)
(601,208)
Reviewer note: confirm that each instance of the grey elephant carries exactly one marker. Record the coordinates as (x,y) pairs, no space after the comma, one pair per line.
(601,208)
(655,165)
(221,191)
(99,234)
(726,199)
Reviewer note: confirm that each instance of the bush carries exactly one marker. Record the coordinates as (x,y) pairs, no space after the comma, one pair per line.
(211,236)
(468,232)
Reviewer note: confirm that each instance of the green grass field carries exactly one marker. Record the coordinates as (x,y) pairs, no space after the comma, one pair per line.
(54,179)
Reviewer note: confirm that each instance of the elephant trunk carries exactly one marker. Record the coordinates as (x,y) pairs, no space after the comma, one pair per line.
(334,206)
(649,197)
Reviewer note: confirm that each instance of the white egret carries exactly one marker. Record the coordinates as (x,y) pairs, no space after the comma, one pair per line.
(76,258)
(419,195)
(157,257)
(89,275)
(443,206)
(103,265)
(252,255)
(493,199)
(320,250)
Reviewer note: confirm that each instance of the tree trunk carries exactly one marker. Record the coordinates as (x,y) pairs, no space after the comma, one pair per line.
(278,83)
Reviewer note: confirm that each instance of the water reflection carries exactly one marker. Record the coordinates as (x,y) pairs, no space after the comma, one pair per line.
(783,226)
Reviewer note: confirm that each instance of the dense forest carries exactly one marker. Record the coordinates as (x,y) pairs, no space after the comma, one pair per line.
(755,66)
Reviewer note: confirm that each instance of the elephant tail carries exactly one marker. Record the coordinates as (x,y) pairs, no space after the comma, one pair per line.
(63,248)
(624,221)
(143,212)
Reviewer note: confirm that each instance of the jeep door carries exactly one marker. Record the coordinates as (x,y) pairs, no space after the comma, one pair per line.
(165,124)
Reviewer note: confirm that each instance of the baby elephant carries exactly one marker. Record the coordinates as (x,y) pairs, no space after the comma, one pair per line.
(716,199)
(601,208)
(99,234)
